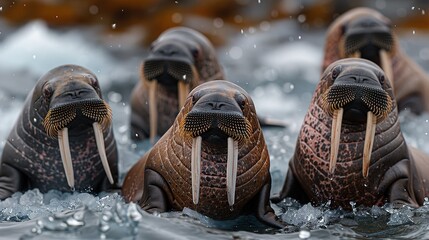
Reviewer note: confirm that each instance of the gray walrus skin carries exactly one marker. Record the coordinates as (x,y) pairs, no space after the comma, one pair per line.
(366,33)
(395,173)
(178,172)
(67,97)
(179,60)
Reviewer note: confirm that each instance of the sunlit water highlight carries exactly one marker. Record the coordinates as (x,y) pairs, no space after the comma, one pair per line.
(279,78)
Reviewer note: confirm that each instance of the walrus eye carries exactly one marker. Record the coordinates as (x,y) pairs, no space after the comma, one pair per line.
(195,98)
(336,71)
(381,79)
(47,91)
(241,100)
(195,53)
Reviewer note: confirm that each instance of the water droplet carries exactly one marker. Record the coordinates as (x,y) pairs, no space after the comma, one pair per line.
(414,32)
(236,52)
(304,234)
(34,120)
(299,37)
(259,1)
(302,18)
(242,31)
(1,9)
(218,22)
(34,56)
(412,8)
(114,26)
(184,77)
(93,9)
(254,45)
(176,18)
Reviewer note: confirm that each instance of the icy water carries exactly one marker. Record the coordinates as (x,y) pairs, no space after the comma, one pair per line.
(277,64)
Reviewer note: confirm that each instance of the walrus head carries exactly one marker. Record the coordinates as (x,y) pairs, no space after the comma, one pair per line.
(355,91)
(71,104)
(172,63)
(363,33)
(218,117)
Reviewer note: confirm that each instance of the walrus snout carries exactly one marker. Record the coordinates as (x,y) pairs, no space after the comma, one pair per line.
(366,34)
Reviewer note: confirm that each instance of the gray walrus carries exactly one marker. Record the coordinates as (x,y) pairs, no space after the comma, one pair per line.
(350,147)
(213,159)
(366,33)
(63,138)
(179,60)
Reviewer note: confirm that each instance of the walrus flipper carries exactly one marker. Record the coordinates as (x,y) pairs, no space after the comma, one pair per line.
(402,187)
(264,212)
(157,194)
(291,188)
(11,181)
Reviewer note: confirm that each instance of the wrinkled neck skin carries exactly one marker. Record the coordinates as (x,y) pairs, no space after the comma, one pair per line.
(252,173)
(38,155)
(347,184)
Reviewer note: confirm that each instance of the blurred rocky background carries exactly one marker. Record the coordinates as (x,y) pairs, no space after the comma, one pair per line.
(215,18)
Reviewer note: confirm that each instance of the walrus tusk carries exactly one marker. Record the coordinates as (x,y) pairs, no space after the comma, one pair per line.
(153,111)
(335,138)
(196,168)
(231,170)
(386,65)
(369,141)
(99,139)
(355,54)
(183,93)
(63,140)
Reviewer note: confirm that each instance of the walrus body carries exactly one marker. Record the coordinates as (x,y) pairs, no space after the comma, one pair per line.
(192,165)
(179,60)
(365,33)
(353,165)
(62,109)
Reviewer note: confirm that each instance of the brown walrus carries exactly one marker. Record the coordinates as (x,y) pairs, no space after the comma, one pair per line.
(350,147)
(179,60)
(63,138)
(213,159)
(366,33)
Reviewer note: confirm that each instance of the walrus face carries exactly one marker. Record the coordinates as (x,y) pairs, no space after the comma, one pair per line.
(369,38)
(217,118)
(357,93)
(74,105)
(172,65)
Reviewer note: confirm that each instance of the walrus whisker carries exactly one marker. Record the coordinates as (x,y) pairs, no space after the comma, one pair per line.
(231,170)
(99,139)
(153,111)
(335,138)
(369,141)
(63,140)
(184,90)
(196,168)
(386,65)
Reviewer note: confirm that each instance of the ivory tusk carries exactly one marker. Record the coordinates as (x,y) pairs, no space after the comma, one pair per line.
(183,93)
(99,139)
(196,168)
(231,170)
(386,65)
(153,111)
(63,140)
(369,141)
(335,138)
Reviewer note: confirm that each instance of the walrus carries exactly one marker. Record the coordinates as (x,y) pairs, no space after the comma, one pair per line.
(179,60)
(213,160)
(366,33)
(350,147)
(63,138)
